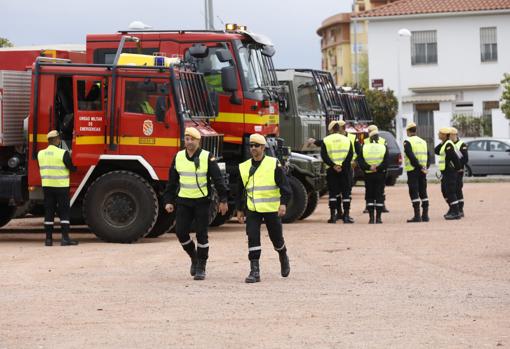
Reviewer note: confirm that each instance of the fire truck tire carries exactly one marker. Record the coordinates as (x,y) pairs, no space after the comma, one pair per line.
(164,223)
(313,201)
(298,201)
(120,206)
(6,214)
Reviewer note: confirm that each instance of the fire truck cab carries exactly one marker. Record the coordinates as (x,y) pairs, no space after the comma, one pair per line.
(122,125)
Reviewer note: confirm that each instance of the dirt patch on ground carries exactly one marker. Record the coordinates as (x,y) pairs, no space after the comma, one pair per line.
(429,285)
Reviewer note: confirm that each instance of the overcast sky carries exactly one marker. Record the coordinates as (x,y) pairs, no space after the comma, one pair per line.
(291,25)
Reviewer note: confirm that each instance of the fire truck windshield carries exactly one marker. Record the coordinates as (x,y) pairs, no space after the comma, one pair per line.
(257,69)
(307,97)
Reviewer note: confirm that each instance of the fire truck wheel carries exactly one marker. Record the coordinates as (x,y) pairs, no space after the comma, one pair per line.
(120,206)
(298,201)
(164,223)
(313,200)
(6,213)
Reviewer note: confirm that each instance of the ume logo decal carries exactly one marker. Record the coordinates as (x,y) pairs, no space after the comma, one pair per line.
(148,127)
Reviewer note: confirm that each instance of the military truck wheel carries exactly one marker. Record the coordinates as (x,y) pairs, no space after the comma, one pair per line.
(6,214)
(298,201)
(164,223)
(120,206)
(313,201)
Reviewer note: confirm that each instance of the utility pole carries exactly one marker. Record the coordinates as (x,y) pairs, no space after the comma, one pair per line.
(209,15)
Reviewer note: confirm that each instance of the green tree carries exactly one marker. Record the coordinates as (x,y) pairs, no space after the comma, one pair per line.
(384,106)
(5,42)
(363,72)
(505,97)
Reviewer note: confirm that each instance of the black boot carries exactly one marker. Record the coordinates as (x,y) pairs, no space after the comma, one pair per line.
(332,218)
(384,209)
(366,210)
(378,211)
(347,208)
(66,240)
(453,213)
(371,215)
(49,240)
(192,253)
(425,213)
(284,263)
(461,209)
(339,213)
(254,272)
(200,269)
(416,218)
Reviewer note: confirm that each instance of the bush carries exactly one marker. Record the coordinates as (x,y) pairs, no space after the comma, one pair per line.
(384,106)
(473,126)
(505,98)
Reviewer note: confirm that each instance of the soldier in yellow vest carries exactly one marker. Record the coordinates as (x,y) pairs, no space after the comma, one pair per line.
(382,141)
(54,166)
(416,166)
(264,193)
(336,152)
(462,153)
(188,193)
(449,165)
(373,160)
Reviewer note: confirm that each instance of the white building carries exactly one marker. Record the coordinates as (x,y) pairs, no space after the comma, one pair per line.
(449,61)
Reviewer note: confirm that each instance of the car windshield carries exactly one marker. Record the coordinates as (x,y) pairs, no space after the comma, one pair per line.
(257,69)
(307,96)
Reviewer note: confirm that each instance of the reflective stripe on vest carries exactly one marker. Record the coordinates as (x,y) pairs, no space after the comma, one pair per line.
(337,146)
(352,138)
(373,153)
(442,155)
(54,172)
(262,193)
(458,145)
(192,181)
(419,149)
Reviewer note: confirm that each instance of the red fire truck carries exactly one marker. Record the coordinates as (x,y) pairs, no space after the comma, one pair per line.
(252,107)
(122,153)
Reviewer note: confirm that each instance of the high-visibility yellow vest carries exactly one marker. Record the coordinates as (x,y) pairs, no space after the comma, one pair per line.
(419,149)
(146,107)
(337,146)
(458,145)
(54,172)
(262,193)
(373,153)
(352,138)
(192,180)
(442,155)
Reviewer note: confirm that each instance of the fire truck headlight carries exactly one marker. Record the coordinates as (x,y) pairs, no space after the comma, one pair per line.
(230,26)
(14,162)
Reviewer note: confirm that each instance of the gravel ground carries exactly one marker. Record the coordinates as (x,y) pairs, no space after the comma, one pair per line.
(396,285)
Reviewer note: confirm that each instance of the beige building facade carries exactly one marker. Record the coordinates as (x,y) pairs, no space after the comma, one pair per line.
(344,43)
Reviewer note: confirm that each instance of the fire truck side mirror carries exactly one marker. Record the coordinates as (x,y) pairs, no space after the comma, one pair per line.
(229,83)
(224,55)
(229,79)
(199,51)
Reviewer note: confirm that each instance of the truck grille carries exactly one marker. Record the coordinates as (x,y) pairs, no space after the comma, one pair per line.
(213,144)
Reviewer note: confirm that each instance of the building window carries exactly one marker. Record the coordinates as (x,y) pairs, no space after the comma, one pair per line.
(424,47)
(489,44)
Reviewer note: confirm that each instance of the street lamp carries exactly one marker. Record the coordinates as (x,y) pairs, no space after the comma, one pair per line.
(403,32)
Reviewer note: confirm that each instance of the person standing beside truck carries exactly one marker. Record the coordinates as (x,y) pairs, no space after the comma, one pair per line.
(416,161)
(337,152)
(373,160)
(54,166)
(188,193)
(263,191)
